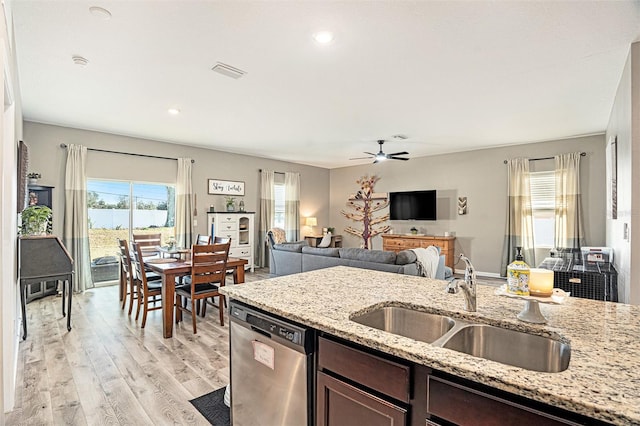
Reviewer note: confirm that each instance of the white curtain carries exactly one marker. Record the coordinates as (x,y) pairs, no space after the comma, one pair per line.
(76,226)
(267,212)
(292,205)
(519,229)
(569,231)
(184,204)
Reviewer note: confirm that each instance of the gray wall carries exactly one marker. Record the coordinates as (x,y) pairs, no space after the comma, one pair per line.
(478,175)
(49,159)
(624,126)
(481,176)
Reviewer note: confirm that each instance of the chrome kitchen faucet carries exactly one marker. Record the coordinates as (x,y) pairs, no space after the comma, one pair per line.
(468,286)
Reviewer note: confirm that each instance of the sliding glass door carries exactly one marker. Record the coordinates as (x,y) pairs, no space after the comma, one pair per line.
(118,209)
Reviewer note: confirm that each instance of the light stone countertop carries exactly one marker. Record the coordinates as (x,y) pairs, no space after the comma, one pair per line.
(603,378)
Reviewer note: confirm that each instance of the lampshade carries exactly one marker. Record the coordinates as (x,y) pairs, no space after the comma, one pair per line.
(312,221)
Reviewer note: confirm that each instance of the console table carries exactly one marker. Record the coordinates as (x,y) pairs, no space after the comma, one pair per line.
(314,240)
(399,242)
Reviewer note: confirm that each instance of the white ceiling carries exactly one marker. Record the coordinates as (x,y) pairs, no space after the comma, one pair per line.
(451,75)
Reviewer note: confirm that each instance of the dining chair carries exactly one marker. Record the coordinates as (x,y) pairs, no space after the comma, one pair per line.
(208,272)
(127,276)
(147,290)
(203,311)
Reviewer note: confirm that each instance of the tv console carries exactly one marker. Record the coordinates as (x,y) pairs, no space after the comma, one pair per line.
(399,242)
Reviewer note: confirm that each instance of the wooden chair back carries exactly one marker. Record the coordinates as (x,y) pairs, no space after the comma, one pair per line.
(208,265)
(137,262)
(203,239)
(145,240)
(127,277)
(221,240)
(148,242)
(125,257)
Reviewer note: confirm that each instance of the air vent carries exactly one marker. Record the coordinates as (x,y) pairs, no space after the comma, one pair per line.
(228,70)
(79,60)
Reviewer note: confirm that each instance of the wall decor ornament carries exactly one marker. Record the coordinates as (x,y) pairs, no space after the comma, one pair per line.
(225,187)
(365,203)
(462,205)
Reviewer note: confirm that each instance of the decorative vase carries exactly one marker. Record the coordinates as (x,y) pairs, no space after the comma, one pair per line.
(33,181)
(231,207)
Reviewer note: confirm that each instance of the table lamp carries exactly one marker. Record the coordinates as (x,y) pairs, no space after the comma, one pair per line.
(311,222)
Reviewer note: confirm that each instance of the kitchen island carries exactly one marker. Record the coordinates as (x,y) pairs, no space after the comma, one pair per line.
(603,378)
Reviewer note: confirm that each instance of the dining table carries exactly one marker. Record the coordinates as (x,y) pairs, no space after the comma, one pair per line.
(170,269)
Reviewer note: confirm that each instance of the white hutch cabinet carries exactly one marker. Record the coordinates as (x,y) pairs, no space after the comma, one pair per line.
(239,226)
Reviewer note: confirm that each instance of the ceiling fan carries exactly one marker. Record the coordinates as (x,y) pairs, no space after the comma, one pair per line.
(381,156)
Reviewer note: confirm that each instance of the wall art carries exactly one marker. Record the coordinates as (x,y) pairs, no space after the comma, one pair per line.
(225,187)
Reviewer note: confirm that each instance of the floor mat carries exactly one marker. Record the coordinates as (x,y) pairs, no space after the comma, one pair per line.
(212,407)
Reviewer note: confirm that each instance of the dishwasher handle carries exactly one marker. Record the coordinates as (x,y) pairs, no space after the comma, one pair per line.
(259,331)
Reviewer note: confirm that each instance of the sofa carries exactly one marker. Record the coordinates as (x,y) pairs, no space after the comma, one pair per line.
(295,257)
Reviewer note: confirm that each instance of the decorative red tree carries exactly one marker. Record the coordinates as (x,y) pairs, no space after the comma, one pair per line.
(371,203)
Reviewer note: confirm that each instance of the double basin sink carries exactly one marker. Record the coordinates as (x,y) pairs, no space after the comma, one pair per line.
(516,348)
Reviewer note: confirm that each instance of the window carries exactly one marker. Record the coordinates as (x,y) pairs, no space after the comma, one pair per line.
(278,219)
(111,212)
(543,198)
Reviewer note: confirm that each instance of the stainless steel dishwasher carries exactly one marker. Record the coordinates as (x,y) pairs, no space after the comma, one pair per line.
(271,369)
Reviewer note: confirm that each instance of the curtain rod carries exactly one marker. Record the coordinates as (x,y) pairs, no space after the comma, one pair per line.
(64,145)
(280,173)
(582,154)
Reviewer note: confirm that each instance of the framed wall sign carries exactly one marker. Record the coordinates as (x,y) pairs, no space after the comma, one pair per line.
(225,187)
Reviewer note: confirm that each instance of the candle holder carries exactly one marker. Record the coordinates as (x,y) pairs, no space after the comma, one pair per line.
(540,282)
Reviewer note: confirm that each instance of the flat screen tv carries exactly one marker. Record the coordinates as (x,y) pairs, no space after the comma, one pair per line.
(412,205)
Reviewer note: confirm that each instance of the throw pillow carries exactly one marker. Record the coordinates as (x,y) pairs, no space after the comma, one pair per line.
(326,240)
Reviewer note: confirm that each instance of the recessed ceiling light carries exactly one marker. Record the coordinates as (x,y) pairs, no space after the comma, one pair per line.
(100,12)
(323,37)
(173,111)
(79,60)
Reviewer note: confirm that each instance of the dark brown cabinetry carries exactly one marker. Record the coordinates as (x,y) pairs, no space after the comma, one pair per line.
(446,398)
(360,387)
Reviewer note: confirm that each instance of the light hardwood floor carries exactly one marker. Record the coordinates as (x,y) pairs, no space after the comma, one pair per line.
(108,370)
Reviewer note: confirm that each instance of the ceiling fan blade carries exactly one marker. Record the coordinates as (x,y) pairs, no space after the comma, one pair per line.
(399,153)
(360,158)
(376,161)
(399,158)
(370,153)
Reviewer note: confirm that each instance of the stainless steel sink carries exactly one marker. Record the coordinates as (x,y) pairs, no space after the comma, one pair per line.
(511,347)
(417,325)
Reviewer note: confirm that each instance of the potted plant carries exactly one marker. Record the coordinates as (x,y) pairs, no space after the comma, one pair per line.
(230,203)
(33,178)
(414,230)
(35,220)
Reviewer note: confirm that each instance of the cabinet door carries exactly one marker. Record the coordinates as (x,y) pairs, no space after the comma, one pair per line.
(339,403)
